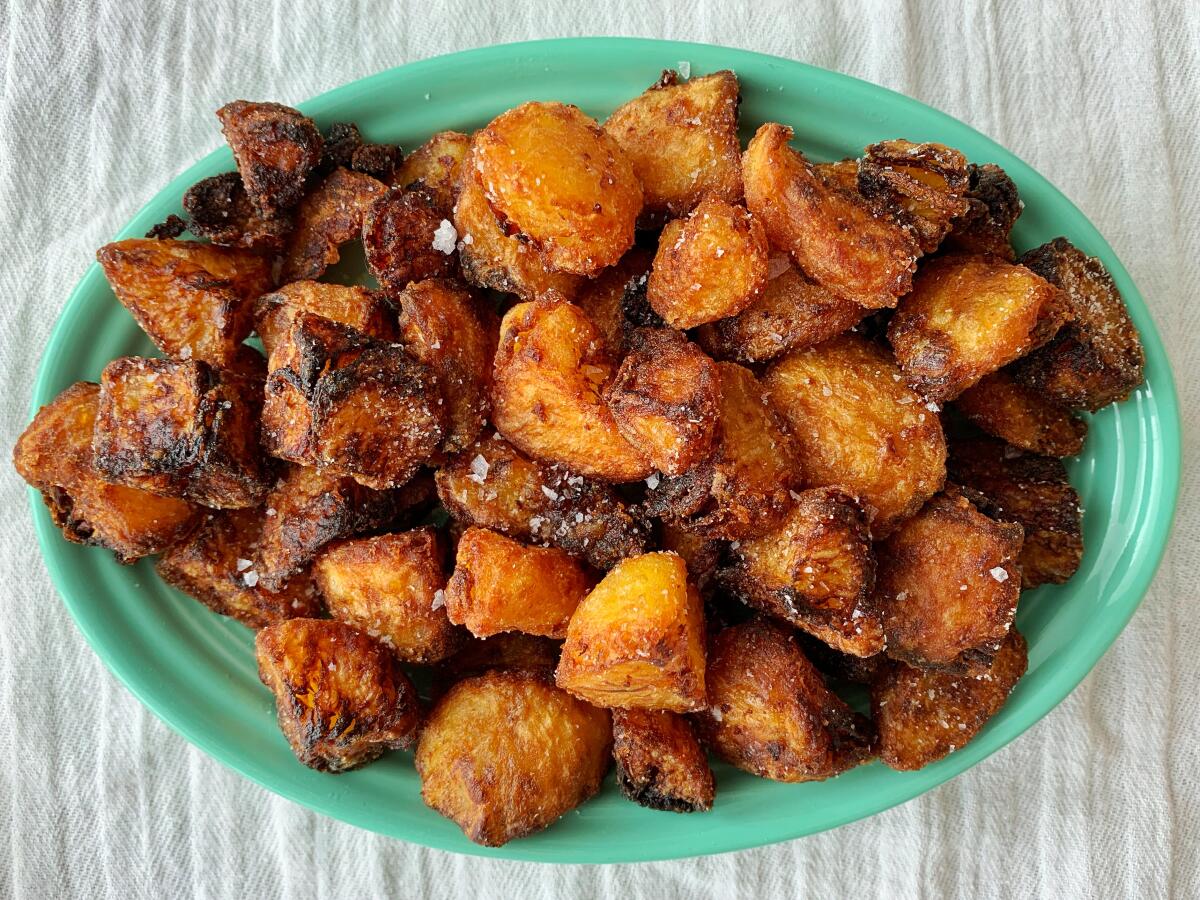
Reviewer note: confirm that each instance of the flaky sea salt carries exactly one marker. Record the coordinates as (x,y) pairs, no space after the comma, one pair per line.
(250,578)
(243,565)
(685,69)
(439,599)
(445,238)
(1000,574)
(550,492)
(479,469)
(652,481)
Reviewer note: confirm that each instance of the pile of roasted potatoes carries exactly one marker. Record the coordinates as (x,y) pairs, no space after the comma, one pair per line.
(715,427)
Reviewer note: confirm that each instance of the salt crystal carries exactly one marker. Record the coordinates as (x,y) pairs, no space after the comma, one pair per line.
(535,522)
(479,469)
(439,599)
(720,252)
(250,578)
(826,391)
(445,238)
(1000,574)
(932,407)
(652,481)
(549,492)
(685,69)
(902,596)
(271,511)
(436,345)
(243,565)
(795,494)
(735,545)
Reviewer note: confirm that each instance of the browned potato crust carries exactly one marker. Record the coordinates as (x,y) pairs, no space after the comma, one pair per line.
(399,235)
(993,208)
(507,650)
(344,146)
(504,754)
(603,298)
(681,137)
(660,764)
(1097,357)
(843,173)
(816,571)
(54,454)
(330,215)
(566,186)
(275,147)
(842,666)
(968,316)
(923,716)
(362,309)
(922,185)
(216,566)
(1026,418)
(181,429)
(637,640)
(770,712)
(857,425)
(219,209)
(392,587)
(830,232)
(434,168)
(700,554)
(948,583)
(502,585)
(550,370)
(341,697)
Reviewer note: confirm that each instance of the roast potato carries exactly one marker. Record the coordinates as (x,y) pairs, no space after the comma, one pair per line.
(329,216)
(406,239)
(434,168)
(660,764)
(362,309)
(993,206)
(1025,417)
(220,210)
(275,147)
(922,185)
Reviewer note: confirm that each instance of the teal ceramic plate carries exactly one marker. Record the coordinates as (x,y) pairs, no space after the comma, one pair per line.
(196,670)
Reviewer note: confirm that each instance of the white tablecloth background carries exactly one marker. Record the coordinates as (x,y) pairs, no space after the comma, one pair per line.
(101,102)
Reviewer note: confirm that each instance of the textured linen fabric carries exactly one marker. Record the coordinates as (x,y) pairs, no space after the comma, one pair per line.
(101,102)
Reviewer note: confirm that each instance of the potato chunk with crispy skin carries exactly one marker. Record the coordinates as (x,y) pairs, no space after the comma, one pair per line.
(275,147)
(362,309)
(603,298)
(968,316)
(816,571)
(660,764)
(1097,357)
(831,233)
(637,640)
(550,370)
(331,214)
(54,454)
(399,235)
(922,716)
(769,712)
(216,566)
(504,754)
(922,185)
(857,425)
(434,167)
(556,178)
(993,206)
(700,554)
(219,209)
(340,696)
(711,265)
(1026,418)
(948,583)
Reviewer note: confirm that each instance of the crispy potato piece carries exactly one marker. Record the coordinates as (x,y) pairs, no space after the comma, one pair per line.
(345,147)
(1026,418)
(54,454)
(637,640)
(831,233)
(743,488)
(968,316)
(948,583)
(219,209)
(330,215)
(506,650)
(604,298)
(770,712)
(181,429)
(922,185)
(923,716)
(171,227)
(993,208)
(700,554)
(504,754)
(453,332)
(550,173)
(340,696)
(857,425)
(275,148)
(192,299)
(660,764)
(502,585)
(681,137)
(1097,357)
(362,309)
(793,313)
(1033,492)
(434,168)
(816,571)
(216,566)
(401,235)
(665,398)
(550,370)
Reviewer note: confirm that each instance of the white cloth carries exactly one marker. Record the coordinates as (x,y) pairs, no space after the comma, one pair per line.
(102,101)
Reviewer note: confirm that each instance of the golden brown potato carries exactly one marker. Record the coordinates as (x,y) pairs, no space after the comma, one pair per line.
(993,206)
(830,232)
(504,754)
(922,185)
(770,712)
(407,239)
(193,300)
(181,429)
(392,587)
(54,454)
(362,309)
(637,640)
(968,316)
(434,168)
(1097,357)
(665,398)
(604,298)
(709,266)
(681,137)
(1026,418)
(948,583)
(550,370)
(660,764)
(330,215)
(219,209)
(216,566)
(340,696)
(923,716)
(857,425)
(275,148)
(816,571)
(744,487)
(557,179)
(843,173)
